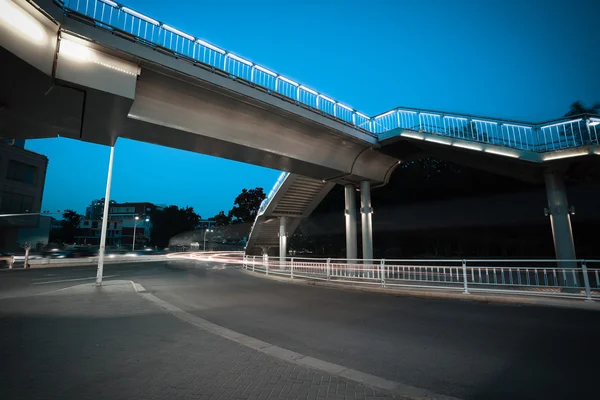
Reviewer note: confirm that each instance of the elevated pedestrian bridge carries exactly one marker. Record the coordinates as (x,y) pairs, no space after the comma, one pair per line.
(96,70)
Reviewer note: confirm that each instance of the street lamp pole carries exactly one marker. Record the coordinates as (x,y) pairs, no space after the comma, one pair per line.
(137,218)
(101,250)
(206,230)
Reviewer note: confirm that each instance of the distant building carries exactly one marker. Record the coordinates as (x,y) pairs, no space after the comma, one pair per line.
(122,223)
(22,179)
(205,224)
(96,209)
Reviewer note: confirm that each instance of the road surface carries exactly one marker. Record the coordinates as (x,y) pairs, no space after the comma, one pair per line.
(460,348)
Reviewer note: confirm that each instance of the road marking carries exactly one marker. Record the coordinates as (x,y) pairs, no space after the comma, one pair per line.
(72,280)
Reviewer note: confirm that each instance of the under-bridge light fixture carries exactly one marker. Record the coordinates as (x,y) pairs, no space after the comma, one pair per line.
(20,20)
(502,153)
(80,53)
(412,135)
(439,141)
(467,146)
(75,51)
(569,154)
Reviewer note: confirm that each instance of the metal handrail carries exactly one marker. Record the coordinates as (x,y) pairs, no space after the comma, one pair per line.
(557,278)
(113,16)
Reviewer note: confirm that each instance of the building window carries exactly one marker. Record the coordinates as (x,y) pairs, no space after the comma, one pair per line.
(86,223)
(95,224)
(121,210)
(20,172)
(16,203)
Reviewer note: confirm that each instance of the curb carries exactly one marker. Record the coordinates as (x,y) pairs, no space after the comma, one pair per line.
(88,263)
(515,300)
(399,389)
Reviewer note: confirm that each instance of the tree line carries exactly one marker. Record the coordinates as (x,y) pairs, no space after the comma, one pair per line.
(172,220)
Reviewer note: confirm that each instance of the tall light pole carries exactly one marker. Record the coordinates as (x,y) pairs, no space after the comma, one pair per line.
(135,223)
(206,230)
(102,248)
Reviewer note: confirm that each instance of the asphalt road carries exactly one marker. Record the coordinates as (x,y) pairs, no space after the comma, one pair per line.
(460,348)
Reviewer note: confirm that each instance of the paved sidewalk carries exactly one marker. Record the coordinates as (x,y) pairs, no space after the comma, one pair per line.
(110,343)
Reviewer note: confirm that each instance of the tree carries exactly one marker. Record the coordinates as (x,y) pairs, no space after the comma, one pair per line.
(578,108)
(222,219)
(246,205)
(68,228)
(170,221)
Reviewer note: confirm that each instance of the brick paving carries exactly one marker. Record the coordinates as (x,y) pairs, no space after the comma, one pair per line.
(113,344)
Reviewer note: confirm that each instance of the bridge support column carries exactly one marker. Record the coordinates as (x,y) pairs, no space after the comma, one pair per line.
(100,270)
(562,232)
(350,215)
(366,214)
(282,241)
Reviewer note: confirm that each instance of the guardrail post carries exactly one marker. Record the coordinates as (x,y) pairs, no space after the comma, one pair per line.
(253,263)
(382,272)
(586,282)
(328,268)
(464,268)
(292,268)
(266,264)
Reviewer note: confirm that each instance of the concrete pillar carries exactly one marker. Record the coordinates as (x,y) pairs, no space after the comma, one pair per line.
(366,215)
(282,240)
(560,220)
(350,216)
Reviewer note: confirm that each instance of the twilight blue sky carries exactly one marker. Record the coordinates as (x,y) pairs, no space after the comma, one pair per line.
(519,59)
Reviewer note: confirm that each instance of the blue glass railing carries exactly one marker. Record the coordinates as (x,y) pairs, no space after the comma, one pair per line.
(265,203)
(116,17)
(553,135)
(548,136)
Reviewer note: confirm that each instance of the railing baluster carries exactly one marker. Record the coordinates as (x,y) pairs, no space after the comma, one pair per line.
(586,281)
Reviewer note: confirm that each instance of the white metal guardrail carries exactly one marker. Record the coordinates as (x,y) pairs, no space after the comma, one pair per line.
(562,278)
(552,135)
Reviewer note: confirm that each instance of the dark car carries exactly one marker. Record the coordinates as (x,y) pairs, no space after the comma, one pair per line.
(77,252)
(74,252)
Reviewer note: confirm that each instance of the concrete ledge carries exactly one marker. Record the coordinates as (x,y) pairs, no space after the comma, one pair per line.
(533,300)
